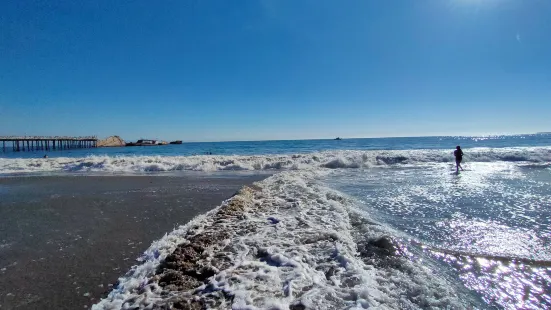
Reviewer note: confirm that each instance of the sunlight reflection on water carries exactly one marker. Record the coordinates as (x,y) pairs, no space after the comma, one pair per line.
(491,223)
(510,284)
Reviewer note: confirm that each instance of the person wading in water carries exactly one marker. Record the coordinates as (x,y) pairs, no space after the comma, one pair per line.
(458,153)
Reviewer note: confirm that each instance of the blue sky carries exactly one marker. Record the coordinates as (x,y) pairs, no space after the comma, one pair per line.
(274,69)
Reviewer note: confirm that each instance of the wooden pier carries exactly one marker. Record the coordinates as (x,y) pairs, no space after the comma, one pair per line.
(22,144)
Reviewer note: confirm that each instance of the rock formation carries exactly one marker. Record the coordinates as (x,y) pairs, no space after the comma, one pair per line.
(111,141)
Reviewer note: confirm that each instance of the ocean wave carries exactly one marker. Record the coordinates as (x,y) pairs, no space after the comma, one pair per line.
(283,243)
(327,159)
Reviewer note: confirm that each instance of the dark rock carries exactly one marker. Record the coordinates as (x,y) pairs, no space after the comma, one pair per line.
(298,306)
(385,243)
(381,247)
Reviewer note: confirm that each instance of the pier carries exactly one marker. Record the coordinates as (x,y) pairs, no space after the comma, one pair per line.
(40,143)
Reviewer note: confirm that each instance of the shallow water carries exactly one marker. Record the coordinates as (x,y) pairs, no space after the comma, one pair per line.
(490,224)
(64,241)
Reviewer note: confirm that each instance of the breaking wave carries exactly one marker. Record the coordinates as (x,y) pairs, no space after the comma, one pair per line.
(327,159)
(283,243)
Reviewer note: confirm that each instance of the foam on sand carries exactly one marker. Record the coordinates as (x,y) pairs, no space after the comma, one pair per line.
(284,243)
(327,159)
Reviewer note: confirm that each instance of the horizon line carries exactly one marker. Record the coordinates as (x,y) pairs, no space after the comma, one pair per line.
(355,138)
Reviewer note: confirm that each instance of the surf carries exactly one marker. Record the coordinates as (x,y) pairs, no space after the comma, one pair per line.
(287,242)
(342,159)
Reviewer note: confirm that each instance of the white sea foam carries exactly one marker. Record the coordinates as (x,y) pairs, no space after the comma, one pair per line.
(294,244)
(327,159)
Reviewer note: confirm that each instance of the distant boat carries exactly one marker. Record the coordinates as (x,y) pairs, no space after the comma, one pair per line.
(176,142)
(338,138)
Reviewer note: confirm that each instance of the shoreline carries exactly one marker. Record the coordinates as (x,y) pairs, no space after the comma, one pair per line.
(66,241)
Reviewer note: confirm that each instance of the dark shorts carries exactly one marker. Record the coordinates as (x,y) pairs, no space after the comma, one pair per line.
(458,160)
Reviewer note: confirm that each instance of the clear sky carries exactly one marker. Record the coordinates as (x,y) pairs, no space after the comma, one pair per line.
(201,70)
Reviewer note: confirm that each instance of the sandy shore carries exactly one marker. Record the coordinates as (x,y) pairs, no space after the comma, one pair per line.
(65,240)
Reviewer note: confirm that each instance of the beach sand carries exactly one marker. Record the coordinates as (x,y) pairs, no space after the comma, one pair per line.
(64,241)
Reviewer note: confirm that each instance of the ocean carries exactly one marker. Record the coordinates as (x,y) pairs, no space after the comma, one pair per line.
(341,224)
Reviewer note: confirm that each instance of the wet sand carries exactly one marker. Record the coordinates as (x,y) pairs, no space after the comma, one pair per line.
(65,240)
